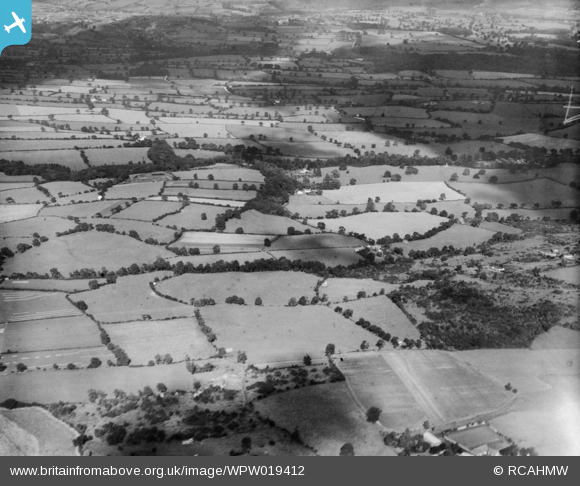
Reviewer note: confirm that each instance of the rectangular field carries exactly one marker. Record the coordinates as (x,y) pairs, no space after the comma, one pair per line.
(138,190)
(147,210)
(228,243)
(331,257)
(459,236)
(20,306)
(254,222)
(51,334)
(143,340)
(191,217)
(274,288)
(275,334)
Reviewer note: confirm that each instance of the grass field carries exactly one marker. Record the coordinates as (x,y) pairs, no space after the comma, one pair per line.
(377,225)
(569,275)
(84,250)
(130,299)
(459,235)
(20,306)
(138,190)
(274,288)
(116,156)
(254,222)
(382,312)
(274,334)
(44,226)
(223,172)
(225,257)
(143,340)
(411,385)
(540,190)
(49,284)
(51,334)
(235,195)
(68,158)
(147,210)
(48,436)
(26,195)
(190,217)
(326,417)
(228,243)
(144,229)
(392,191)
(338,288)
(66,188)
(83,210)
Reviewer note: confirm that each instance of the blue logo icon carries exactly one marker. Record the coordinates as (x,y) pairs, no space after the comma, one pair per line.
(15,22)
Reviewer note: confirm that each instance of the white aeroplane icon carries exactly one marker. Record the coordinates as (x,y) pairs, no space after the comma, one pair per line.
(17,23)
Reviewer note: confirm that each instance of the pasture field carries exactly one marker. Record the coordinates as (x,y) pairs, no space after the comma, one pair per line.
(211,193)
(144,229)
(338,288)
(21,306)
(42,144)
(228,203)
(15,441)
(27,195)
(392,191)
(326,417)
(5,186)
(44,226)
(314,242)
(138,190)
(253,221)
(199,153)
(84,250)
(241,258)
(205,184)
(436,386)
(539,140)
(82,210)
(457,208)
(382,312)
(459,236)
(116,156)
(84,197)
(274,288)
(387,111)
(558,337)
(130,299)
(190,217)
(302,206)
(569,275)
(273,134)
(273,334)
(557,214)
(228,243)
(377,225)
(498,227)
(310,149)
(53,386)
(223,172)
(197,130)
(143,340)
(331,257)
(49,284)
(51,334)
(540,190)
(68,158)
(48,436)
(147,210)
(16,212)
(67,188)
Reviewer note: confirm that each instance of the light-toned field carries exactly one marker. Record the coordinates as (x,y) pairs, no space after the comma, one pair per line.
(190,217)
(143,340)
(49,284)
(51,334)
(299,205)
(211,193)
(392,191)
(558,338)
(331,257)
(82,210)
(20,306)
(326,417)
(498,227)
(53,386)
(557,214)
(540,190)
(411,385)
(26,195)
(203,260)
(33,431)
(228,203)
(138,190)
(84,250)
(254,222)
(382,312)
(147,210)
(223,172)
(338,288)
(274,288)
(539,140)
(130,299)
(66,188)
(275,334)
(143,228)
(228,243)
(315,242)
(569,275)
(377,225)
(458,236)
(44,226)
